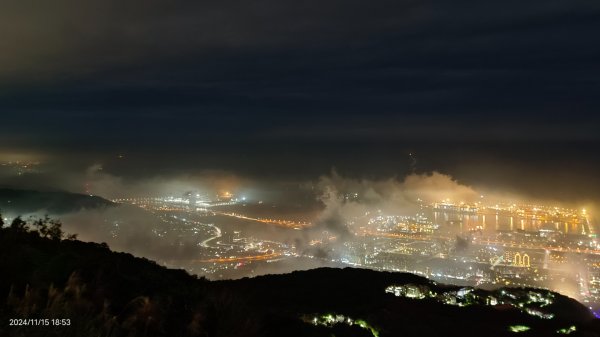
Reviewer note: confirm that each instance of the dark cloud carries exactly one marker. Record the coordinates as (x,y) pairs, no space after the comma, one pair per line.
(264,85)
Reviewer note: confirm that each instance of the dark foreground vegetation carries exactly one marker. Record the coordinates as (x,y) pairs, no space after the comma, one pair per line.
(103,293)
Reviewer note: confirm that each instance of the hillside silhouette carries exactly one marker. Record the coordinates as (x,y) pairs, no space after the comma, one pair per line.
(21,201)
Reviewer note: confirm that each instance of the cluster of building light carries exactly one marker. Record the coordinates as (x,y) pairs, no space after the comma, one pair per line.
(529,301)
(518,328)
(567,331)
(330,320)
(402,224)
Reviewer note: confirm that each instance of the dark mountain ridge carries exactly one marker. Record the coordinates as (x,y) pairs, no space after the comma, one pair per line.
(20,201)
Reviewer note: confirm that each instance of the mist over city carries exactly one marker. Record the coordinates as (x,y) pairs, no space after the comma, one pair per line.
(422,156)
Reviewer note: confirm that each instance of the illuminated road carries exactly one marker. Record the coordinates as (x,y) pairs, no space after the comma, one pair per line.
(280,223)
(152,204)
(217,235)
(481,241)
(263,257)
(537,246)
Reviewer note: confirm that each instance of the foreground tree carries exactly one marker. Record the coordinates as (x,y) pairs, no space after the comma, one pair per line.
(20,225)
(50,228)
(45,227)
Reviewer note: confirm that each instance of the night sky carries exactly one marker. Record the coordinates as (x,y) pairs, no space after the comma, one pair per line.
(503,94)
